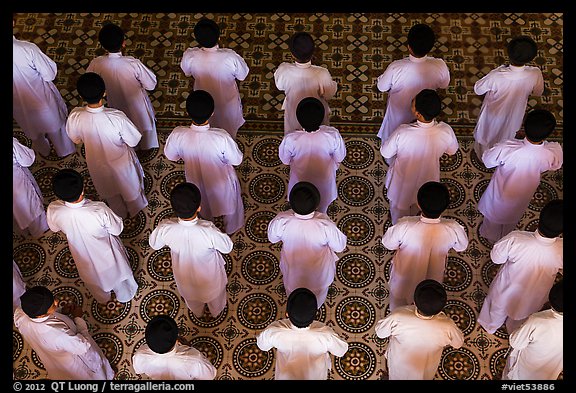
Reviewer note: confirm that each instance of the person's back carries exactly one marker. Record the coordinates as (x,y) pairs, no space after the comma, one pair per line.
(537,346)
(527,260)
(63,344)
(92,231)
(166,356)
(418,334)
(313,153)
(209,156)
(127,80)
(303,346)
(414,151)
(217,70)
(27,199)
(404,78)
(37,105)
(506,90)
(422,244)
(195,248)
(302,79)
(310,240)
(519,166)
(109,138)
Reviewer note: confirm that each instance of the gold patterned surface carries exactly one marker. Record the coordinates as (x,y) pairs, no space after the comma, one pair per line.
(356,48)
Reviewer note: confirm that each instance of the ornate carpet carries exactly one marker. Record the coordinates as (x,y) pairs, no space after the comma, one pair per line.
(356,48)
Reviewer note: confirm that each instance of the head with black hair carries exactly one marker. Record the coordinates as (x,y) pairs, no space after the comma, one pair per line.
(38,301)
(421,39)
(301,307)
(539,124)
(427,103)
(161,333)
(91,87)
(521,50)
(556,296)
(430,297)
(304,198)
(551,221)
(68,185)
(207,33)
(111,37)
(185,199)
(310,113)
(302,46)
(200,106)
(433,198)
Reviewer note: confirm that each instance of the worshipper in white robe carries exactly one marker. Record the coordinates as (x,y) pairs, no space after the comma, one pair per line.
(209,155)
(127,80)
(63,344)
(302,79)
(196,248)
(418,334)
(414,151)
(313,152)
(519,165)
(92,230)
(403,79)
(109,138)
(537,347)
(37,105)
(166,356)
(18,285)
(310,241)
(422,244)
(217,70)
(27,199)
(506,90)
(529,263)
(303,345)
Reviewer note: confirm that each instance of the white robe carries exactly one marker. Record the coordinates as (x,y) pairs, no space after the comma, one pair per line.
(109,138)
(301,353)
(209,156)
(309,246)
(196,249)
(301,80)
(37,105)
(416,343)
(180,363)
(92,230)
(537,348)
(529,264)
(18,285)
(422,246)
(403,79)
(507,89)
(64,346)
(416,148)
(127,79)
(519,165)
(216,71)
(314,157)
(27,199)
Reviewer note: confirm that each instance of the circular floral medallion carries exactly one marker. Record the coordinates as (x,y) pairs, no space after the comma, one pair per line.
(250,361)
(355,270)
(159,302)
(257,311)
(267,188)
(210,348)
(265,152)
(260,267)
(359,155)
(358,363)
(459,364)
(355,314)
(356,191)
(358,228)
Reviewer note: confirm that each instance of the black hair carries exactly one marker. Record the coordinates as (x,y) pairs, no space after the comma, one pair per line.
(428,104)
(539,124)
(421,39)
(111,37)
(200,106)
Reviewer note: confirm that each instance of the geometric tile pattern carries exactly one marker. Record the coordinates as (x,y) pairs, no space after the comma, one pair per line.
(356,48)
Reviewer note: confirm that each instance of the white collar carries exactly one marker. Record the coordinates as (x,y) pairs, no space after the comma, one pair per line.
(417,59)
(308,64)
(76,204)
(115,54)
(204,127)
(428,220)
(426,125)
(544,239)
(304,216)
(94,110)
(188,222)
